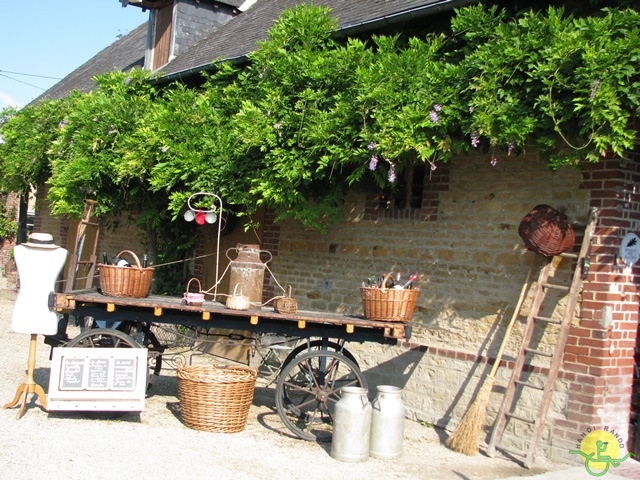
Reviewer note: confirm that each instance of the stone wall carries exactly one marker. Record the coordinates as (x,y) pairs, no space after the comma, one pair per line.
(472,265)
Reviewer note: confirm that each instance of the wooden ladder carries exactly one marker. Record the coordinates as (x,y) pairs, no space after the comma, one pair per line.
(508,409)
(76,256)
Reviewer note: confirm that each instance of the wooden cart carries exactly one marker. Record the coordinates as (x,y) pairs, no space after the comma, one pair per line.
(310,378)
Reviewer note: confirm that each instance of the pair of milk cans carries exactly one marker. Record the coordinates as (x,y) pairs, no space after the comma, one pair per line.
(362,428)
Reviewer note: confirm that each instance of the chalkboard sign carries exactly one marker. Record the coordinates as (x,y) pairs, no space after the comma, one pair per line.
(72,374)
(124,374)
(105,379)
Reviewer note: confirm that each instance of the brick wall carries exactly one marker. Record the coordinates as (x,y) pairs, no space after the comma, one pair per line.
(599,356)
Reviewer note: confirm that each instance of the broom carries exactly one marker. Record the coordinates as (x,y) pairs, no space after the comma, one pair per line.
(466,436)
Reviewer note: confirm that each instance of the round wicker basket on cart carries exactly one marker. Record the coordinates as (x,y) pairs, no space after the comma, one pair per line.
(216,398)
(133,281)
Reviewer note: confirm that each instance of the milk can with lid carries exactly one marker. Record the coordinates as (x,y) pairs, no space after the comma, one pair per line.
(351,426)
(247,271)
(387,423)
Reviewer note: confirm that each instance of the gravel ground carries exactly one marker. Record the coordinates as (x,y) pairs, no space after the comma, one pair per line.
(155,444)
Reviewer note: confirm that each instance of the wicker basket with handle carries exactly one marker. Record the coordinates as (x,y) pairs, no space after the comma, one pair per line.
(238,301)
(286,304)
(389,304)
(133,281)
(193,298)
(216,398)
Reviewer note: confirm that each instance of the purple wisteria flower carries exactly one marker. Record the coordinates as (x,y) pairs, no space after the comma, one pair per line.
(433,167)
(433,115)
(277,126)
(127,81)
(437,107)
(163,149)
(111,130)
(510,146)
(371,146)
(475,140)
(61,123)
(373,163)
(392,173)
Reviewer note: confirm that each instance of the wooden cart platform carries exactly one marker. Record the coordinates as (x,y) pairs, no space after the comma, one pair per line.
(172,310)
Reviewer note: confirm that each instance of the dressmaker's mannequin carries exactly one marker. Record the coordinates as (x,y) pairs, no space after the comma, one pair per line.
(39,263)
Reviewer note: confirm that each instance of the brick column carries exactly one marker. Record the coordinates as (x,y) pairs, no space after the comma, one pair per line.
(270,242)
(598,361)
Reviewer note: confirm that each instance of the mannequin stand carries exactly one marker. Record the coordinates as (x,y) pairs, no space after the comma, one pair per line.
(29,386)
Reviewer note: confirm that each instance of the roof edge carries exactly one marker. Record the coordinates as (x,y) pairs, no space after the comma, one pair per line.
(342,31)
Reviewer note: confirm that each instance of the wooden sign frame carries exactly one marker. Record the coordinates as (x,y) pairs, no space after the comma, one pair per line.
(98,379)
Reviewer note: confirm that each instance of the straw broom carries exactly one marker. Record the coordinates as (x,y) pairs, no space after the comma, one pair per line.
(466,436)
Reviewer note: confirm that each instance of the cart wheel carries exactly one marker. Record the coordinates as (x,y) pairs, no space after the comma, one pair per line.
(103,338)
(308,389)
(315,345)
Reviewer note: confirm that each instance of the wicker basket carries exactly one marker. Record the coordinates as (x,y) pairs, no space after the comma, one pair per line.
(546,231)
(216,398)
(133,281)
(389,304)
(193,298)
(286,304)
(238,301)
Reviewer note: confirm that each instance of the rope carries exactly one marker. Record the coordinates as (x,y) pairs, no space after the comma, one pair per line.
(208,291)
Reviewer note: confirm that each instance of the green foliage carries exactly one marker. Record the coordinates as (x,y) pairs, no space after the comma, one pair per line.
(566,86)
(310,117)
(8,226)
(27,139)
(86,157)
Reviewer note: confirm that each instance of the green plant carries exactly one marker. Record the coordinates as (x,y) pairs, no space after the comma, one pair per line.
(310,117)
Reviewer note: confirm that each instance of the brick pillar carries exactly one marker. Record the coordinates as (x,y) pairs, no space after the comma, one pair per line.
(599,357)
(270,242)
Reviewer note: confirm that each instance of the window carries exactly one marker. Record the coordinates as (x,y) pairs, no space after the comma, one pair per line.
(407,191)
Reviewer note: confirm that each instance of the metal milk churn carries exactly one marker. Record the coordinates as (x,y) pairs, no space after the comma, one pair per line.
(387,423)
(351,426)
(247,270)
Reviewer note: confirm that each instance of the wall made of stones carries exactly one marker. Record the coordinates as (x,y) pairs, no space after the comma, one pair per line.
(470,260)
(472,266)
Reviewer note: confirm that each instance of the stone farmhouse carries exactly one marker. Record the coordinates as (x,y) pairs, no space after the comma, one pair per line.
(461,238)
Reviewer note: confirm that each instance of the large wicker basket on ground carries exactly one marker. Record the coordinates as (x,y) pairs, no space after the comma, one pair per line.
(216,398)
(388,304)
(133,281)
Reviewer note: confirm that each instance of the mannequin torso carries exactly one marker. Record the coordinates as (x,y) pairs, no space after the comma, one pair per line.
(38,269)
